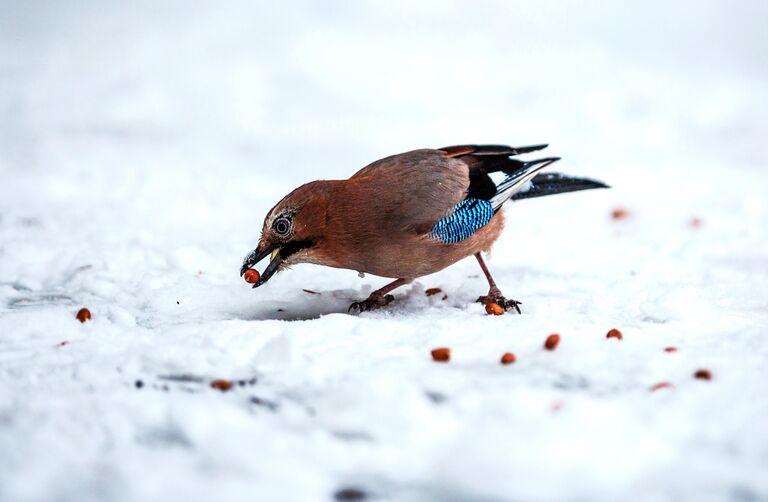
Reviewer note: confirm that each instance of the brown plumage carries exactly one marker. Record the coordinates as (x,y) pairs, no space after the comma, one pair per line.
(382,220)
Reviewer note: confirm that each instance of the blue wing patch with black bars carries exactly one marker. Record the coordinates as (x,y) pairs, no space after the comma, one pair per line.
(467,217)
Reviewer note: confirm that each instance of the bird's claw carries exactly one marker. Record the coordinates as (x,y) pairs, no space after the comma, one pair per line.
(371,303)
(499,300)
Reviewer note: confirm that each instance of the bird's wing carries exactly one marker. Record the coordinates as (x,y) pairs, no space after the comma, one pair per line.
(447,194)
(494,177)
(412,190)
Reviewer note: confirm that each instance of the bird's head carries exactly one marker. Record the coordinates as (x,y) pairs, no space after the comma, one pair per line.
(292,230)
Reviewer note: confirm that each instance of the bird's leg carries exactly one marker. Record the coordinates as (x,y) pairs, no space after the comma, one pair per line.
(378,298)
(494,295)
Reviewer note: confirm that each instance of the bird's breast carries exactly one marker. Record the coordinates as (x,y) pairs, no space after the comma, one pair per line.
(399,251)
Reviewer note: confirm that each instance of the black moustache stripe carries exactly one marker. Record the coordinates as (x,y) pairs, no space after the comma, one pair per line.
(294,247)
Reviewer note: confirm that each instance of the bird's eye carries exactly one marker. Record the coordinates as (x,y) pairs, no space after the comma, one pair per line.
(281,226)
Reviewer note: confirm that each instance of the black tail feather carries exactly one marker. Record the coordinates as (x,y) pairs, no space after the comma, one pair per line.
(491,150)
(554,183)
(483,150)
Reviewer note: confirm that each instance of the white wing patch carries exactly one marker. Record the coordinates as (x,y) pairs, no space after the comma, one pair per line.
(511,184)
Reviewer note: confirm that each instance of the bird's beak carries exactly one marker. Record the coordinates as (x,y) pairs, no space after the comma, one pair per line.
(256,256)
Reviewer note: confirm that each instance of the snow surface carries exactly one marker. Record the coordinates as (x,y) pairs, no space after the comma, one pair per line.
(142,143)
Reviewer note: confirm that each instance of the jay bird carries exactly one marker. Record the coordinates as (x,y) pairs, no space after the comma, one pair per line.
(407,215)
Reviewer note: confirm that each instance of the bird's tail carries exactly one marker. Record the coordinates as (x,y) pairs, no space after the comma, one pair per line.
(518,179)
(554,183)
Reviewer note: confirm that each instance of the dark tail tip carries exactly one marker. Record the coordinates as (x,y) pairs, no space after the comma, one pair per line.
(528,149)
(555,183)
(546,161)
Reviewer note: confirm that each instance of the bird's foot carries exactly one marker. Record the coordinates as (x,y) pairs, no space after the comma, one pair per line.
(495,296)
(373,302)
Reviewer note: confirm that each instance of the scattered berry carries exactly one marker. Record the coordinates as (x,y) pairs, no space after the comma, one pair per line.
(494,309)
(620,214)
(703,374)
(552,341)
(661,385)
(695,222)
(670,349)
(442,354)
(433,291)
(615,333)
(222,385)
(251,276)
(508,358)
(83,315)
(138,384)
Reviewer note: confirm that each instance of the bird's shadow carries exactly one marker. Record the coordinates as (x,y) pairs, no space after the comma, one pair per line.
(304,306)
(308,304)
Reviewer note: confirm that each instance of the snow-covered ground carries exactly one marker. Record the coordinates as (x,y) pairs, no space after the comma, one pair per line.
(141,144)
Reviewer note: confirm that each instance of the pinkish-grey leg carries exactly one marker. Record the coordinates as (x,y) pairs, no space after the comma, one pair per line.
(494,295)
(378,298)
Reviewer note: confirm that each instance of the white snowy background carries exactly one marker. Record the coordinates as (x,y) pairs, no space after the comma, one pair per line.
(141,144)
